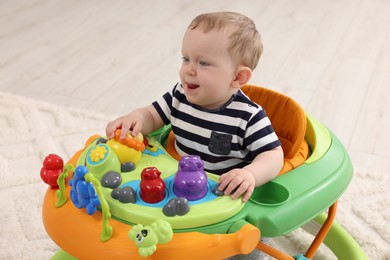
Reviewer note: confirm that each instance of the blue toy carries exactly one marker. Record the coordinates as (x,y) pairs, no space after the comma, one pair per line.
(82,193)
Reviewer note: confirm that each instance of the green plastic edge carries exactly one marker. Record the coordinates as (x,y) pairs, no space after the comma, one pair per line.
(318,136)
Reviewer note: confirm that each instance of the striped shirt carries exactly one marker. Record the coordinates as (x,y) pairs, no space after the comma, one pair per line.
(225,138)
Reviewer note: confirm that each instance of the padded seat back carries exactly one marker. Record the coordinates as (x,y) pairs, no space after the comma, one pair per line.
(288,120)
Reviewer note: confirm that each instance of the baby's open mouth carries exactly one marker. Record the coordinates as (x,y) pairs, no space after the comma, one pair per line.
(192,86)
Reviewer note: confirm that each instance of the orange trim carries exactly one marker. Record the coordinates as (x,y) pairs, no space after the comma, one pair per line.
(322,233)
(78,234)
(171,146)
(298,159)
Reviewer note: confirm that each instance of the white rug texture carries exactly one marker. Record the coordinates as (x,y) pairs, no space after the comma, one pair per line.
(30,130)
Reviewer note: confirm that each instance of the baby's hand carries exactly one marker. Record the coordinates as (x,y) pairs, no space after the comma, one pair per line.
(130,122)
(237,182)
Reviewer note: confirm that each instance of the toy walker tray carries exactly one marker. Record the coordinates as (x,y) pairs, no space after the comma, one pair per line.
(100,208)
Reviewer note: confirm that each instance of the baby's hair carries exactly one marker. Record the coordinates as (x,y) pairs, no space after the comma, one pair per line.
(245,45)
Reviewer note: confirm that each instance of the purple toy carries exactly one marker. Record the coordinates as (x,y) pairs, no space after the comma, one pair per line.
(190,179)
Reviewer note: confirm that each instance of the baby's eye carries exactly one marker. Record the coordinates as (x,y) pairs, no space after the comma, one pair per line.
(204,63)
(185,59)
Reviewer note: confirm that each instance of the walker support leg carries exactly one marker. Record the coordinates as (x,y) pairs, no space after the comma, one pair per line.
(273,252)
(322,233)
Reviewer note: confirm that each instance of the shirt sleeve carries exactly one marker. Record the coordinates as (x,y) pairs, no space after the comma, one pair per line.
(163,105)
(260,135)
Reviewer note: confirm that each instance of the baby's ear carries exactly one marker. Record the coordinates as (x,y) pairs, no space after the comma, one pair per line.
(243,75)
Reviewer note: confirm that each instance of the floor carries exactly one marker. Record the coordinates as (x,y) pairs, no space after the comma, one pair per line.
(333,57)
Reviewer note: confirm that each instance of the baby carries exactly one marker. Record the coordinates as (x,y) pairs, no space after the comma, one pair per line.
(210,116)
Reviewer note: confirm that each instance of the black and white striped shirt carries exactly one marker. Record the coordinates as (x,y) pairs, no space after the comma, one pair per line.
(225,138)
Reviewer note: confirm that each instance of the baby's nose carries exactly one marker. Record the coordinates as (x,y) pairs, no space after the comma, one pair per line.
(191,69)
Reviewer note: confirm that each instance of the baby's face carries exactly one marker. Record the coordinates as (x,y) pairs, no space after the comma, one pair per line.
(207,71)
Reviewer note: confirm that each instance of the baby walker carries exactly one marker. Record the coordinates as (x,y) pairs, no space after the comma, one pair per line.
(137,199)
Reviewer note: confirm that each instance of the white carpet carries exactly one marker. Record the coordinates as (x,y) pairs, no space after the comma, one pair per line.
(29,130)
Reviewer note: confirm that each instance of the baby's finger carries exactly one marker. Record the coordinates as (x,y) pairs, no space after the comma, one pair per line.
(239,190)
(110,129)
(136,128)
(248,194)
(221,181)
(233,186)
(224,181)
(124,131)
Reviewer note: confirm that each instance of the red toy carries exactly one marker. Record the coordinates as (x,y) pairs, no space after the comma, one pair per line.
(53,166)
(152,186)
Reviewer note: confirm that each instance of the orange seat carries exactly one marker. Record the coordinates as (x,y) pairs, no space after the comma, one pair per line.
(288,120)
